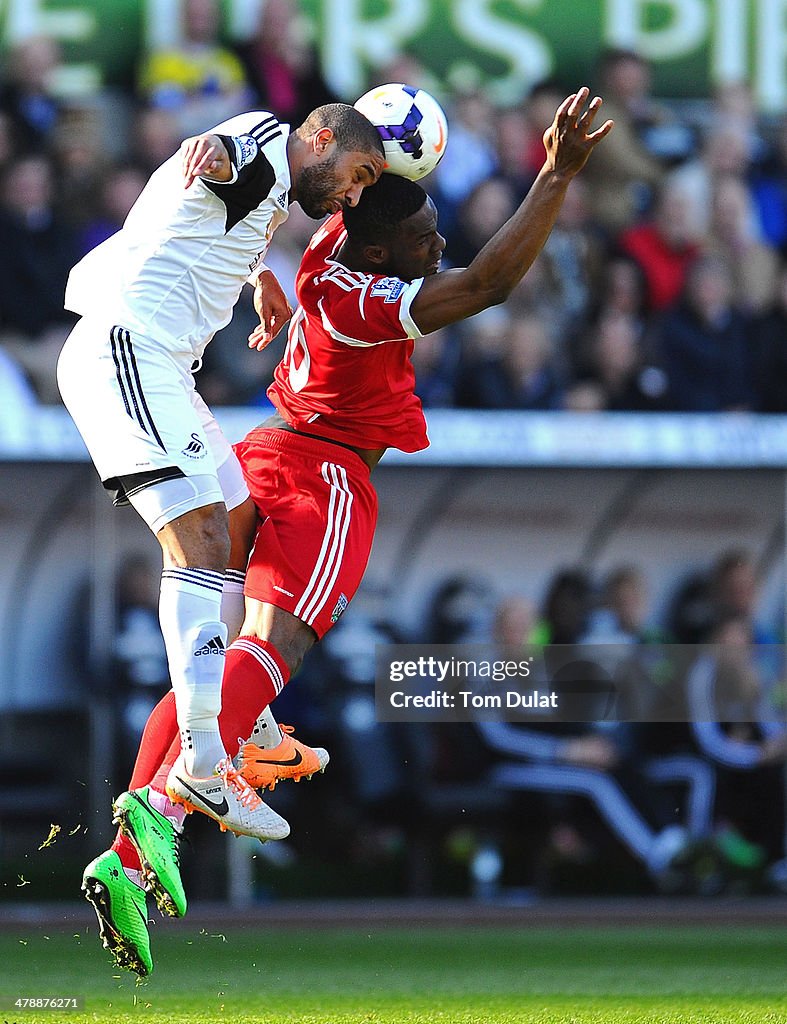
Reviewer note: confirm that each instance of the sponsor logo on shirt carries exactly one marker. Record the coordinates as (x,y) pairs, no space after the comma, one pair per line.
(389,287)
(282,200)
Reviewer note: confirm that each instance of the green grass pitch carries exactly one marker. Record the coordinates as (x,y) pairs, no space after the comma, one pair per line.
(604,975)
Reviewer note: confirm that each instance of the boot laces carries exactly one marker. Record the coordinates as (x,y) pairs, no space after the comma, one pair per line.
(233,780)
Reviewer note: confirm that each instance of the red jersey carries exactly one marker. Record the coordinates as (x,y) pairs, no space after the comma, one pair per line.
(346,373)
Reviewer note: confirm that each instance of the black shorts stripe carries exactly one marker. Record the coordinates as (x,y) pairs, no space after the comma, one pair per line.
(135,370)
(128,381)
(119,375)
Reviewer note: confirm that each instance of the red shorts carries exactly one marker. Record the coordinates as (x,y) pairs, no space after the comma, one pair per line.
(318,510)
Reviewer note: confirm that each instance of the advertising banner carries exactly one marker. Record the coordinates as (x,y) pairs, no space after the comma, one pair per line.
(506,45)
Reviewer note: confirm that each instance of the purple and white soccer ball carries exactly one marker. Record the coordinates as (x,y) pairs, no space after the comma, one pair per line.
(413,127)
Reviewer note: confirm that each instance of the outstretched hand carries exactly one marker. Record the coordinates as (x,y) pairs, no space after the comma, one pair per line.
(569,140)
(272,308)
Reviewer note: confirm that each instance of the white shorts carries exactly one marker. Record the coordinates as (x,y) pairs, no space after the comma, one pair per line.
(140,416)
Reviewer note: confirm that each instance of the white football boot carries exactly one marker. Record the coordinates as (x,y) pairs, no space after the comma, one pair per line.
(227,798)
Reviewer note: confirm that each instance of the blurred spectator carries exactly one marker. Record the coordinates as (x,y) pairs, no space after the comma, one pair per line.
(471,157)
(724,153)
(81,160)
(735,591)
(490,204)
(518,374)
(26,93)
(626,596)
(32,319)
(770,344)
(624,174)
(155,136)
(734,725)
(734,105)
(616,363)
(201,81)
(623,614)
(627,82)
(119,191)
(512,145)
(460,611)
(691,613)
(735,237)
(282,65)
(572,260)
(622,288)
(8,144)
(436,361)
(514,622)
(567,608)
(543,101)
(664,247)
(704,344)
(770,191)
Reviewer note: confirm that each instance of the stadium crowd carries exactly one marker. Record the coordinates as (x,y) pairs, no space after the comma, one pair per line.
(663,286)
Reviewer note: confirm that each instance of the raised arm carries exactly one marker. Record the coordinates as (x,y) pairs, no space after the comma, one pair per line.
(447,297)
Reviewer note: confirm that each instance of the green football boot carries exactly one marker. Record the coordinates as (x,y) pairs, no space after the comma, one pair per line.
(157,842)
(120,907)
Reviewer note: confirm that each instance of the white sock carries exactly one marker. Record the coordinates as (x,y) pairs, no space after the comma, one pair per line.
(196,640)
(266,733)
(233,605)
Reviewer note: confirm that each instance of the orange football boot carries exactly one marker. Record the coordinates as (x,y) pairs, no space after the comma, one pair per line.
(290,759)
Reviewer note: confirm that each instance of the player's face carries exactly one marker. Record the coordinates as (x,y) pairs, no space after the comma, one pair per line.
(337,181)
(417,247)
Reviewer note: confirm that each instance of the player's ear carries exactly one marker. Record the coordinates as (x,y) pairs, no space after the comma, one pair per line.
(376,254)
(321,140)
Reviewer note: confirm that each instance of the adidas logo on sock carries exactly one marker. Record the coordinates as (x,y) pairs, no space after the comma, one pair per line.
(214,646)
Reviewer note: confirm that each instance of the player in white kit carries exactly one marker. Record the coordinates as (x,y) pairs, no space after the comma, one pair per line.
(151,298)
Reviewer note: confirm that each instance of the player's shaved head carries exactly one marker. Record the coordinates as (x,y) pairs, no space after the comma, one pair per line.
(382,208)
(354,133)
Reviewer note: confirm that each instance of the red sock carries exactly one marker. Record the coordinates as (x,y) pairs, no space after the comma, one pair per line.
(160,730)
(159,781)
(254,674)
(127,852)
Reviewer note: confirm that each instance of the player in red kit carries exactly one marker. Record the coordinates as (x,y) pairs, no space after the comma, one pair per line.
(368,287)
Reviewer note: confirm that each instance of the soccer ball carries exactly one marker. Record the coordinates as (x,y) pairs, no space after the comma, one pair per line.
(413,127)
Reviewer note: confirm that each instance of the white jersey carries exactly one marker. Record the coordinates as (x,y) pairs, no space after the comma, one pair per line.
(175,270)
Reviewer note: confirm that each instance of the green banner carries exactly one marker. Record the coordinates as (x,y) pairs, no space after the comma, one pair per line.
(505,44)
